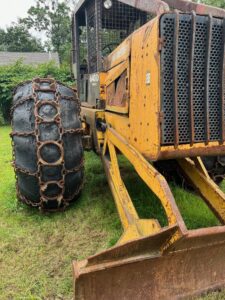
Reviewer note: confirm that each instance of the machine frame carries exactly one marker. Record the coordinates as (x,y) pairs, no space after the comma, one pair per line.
(147,258)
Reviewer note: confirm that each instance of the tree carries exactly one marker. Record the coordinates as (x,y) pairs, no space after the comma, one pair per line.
(17,38)
(218,3)
(54,20)
(2,40)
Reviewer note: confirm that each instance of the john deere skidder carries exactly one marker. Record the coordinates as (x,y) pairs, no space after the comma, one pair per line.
(151,80)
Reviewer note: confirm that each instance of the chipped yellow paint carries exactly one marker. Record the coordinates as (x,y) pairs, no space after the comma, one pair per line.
(144,96)
(136,134)
(154,180)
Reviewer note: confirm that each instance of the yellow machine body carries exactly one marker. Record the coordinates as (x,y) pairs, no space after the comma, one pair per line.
(148,262)
(136,113)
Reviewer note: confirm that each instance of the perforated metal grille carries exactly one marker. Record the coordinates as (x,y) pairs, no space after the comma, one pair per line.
(167,79)
(201,105)
(183,77)
(91,34)
(214,89)
(199,70)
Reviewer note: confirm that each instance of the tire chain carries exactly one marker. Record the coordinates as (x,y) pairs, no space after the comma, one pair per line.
(36,87)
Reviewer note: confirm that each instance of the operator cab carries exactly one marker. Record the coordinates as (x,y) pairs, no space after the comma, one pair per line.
(99,26)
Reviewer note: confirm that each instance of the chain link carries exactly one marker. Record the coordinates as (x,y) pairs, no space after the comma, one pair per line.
(76,131)
(20,102)
(76,169)
(25,134)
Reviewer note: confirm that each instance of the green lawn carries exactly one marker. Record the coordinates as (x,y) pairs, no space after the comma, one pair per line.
(36,250)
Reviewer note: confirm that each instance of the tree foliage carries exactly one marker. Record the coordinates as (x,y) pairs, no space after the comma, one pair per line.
(2,40)
(54,20)
(17,38)
(218,3)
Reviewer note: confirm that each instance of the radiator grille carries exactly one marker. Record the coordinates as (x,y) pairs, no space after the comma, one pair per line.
(192,78)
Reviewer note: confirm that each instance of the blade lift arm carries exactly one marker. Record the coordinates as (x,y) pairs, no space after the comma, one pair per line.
(133,226)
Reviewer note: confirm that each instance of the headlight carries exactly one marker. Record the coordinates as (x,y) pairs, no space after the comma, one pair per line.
(108,4)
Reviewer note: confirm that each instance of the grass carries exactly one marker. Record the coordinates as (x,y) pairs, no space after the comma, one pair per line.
(36,250)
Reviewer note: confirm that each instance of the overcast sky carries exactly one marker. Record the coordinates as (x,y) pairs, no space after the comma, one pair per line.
(10,10)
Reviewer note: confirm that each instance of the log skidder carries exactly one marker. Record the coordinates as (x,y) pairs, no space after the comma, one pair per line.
(47,144)
(159,96)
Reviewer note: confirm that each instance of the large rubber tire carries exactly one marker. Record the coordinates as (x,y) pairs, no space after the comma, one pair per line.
(47,144)
(215,165)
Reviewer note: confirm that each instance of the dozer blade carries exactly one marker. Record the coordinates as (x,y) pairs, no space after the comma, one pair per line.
(136,270)
(150,262)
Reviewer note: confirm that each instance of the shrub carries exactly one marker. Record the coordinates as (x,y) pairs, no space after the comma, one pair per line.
(14,74)
(2,121)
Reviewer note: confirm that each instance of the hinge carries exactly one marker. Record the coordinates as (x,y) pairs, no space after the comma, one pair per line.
(161,43)
(161,117)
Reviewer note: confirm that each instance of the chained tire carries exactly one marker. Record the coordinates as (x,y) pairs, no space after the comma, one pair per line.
(47,144)
(215,165)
